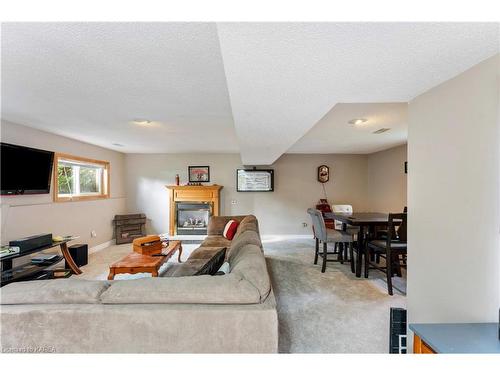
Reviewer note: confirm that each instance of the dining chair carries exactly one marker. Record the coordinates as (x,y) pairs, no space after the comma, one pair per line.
(325,235)
(324,207)
(390,248)
(341,209)
(344,209)
(381,234)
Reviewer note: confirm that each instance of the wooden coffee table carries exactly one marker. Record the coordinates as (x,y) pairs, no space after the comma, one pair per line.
(138,263)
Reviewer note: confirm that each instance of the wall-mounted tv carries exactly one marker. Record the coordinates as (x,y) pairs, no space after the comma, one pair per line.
(25,170)
(254,180)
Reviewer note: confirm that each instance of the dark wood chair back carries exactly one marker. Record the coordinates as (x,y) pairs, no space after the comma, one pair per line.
(401,231)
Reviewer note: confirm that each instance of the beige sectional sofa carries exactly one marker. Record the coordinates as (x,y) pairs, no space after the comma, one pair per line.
(233,313)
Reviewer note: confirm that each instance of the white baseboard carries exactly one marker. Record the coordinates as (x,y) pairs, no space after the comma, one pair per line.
(277,237)
(180,237)
(186,237)
(101,246)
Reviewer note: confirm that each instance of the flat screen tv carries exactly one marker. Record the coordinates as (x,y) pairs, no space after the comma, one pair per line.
(25,170)
(253,180)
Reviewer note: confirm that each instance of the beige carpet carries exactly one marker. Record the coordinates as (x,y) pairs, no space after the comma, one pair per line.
(334,312)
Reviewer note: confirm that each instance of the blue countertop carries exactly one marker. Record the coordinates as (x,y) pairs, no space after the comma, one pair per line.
(459,338)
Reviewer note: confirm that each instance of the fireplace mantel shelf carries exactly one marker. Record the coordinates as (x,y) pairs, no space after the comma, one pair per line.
(194,194)
(194,187)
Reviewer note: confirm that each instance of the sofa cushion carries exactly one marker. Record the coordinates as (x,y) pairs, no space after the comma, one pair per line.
(250,263)
(188,268)
(53,291)
(227,289)
(215,241)
(245,238)
(204,252)
(216,224)
(213,264)
(249,222)
(224,269)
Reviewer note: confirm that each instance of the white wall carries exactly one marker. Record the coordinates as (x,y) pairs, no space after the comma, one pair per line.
(453,199)
(387,180)
(35,214)
(280,212)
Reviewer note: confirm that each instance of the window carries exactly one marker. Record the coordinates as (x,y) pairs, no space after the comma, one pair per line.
(79,178)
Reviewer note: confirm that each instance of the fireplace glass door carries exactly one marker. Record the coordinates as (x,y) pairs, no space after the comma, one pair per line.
(192,218)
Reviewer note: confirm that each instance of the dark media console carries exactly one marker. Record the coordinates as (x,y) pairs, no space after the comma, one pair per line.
(40,270)
(32,242)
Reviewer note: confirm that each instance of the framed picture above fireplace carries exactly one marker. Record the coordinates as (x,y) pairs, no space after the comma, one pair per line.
(254,180)
(198,173)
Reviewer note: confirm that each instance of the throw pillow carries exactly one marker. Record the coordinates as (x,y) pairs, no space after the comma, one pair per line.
(213,264)
(230,229)
(224,269)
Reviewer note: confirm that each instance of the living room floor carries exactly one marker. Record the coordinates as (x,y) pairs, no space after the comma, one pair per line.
(331,312)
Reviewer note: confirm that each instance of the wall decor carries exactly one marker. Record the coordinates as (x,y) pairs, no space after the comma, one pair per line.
(199,173)
(254,180)
(323,174)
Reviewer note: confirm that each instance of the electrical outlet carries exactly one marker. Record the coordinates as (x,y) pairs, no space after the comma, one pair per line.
(304,225)
(93,233)
(233,201)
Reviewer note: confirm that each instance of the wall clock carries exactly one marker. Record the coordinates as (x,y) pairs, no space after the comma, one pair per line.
(323,174)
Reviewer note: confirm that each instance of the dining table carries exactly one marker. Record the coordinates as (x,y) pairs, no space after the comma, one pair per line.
(366,221)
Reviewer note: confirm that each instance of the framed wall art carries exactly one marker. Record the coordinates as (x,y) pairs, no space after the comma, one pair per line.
(199,173)
(323,174)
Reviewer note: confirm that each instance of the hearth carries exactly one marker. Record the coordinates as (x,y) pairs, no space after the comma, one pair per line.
(192,218)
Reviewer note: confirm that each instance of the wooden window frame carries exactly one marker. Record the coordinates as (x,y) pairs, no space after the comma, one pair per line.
(105,183)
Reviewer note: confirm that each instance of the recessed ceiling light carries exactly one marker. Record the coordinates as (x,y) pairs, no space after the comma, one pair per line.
(142,121)
(117,144)
(357,121)
(381,130)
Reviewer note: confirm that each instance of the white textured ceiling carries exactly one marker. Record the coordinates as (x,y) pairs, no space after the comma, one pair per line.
(90,80)
(253,88)
(334,135)
(284,77)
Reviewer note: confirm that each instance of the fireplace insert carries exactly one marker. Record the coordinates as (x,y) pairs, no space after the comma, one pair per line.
(192,218)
